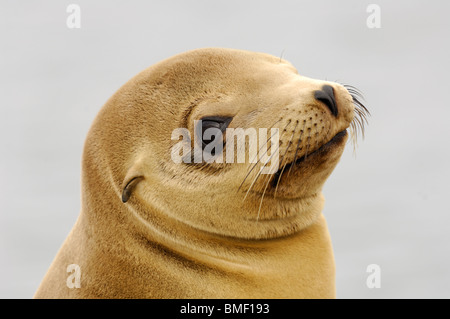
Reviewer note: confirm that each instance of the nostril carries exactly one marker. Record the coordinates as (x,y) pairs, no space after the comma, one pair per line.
(326,96)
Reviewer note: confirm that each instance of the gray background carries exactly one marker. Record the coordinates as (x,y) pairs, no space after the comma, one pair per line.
(387,203)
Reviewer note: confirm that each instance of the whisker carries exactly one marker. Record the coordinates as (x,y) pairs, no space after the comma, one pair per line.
(289,143)
(297,148)
(262,197)
(281,56)
(278,179)
(268,176)
(317,140)
(267,149)
(361,113)
(354,91)
(270,158)
(282,159)
(307,145)
(257,162)
(259,173)
(256,155)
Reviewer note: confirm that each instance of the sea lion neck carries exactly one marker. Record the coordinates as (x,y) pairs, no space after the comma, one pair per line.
(154,229)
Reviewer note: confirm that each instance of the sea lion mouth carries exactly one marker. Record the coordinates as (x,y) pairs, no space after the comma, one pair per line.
(322,150)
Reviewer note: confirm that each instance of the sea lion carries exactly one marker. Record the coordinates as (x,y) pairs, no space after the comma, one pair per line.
(153,228)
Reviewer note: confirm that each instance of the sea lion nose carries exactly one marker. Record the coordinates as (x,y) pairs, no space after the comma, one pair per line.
(326,96)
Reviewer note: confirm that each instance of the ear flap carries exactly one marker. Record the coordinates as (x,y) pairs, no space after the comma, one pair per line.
(129,186)
(132,178)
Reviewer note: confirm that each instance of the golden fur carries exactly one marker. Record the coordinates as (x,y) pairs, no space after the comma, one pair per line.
(186,231)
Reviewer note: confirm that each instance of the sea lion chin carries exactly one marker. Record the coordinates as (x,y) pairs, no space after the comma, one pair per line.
(157,228)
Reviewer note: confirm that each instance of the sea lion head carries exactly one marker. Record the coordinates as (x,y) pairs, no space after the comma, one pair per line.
(129,152)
